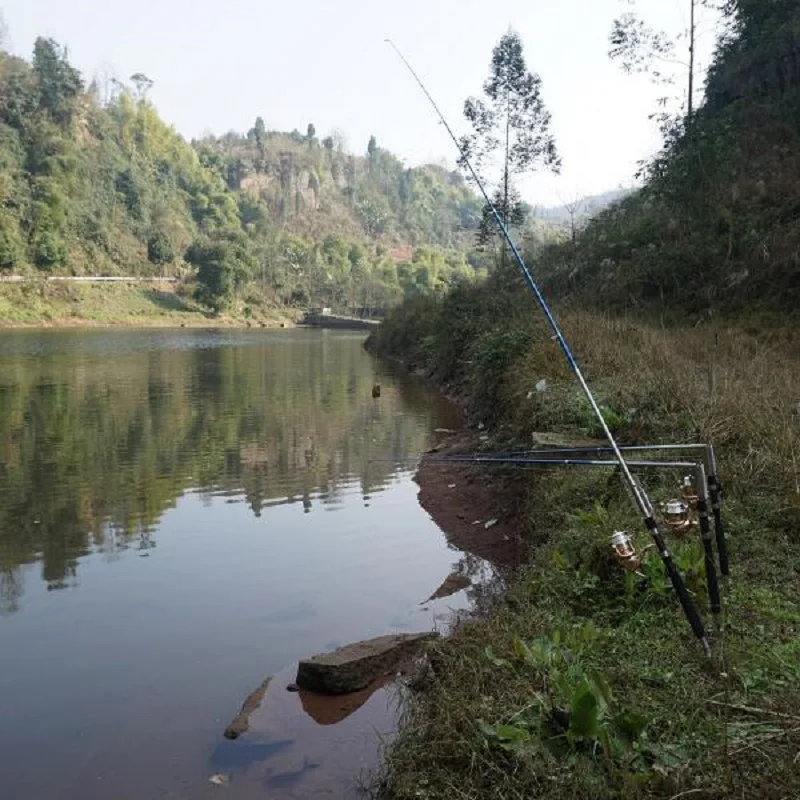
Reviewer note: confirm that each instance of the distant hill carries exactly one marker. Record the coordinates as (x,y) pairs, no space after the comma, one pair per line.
(583,207)
(91,187)
(316,187)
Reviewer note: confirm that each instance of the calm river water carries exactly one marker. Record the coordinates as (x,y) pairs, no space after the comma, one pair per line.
(182,514)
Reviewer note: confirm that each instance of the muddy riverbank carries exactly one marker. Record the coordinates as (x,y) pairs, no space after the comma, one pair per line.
(479,511)
(480,516)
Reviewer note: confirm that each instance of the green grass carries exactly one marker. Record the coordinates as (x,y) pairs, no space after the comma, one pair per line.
(586,682)
(41,304)
(505,712)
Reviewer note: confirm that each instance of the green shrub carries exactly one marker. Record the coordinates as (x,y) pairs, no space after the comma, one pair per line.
(159,249)
(9,252)
(48,250)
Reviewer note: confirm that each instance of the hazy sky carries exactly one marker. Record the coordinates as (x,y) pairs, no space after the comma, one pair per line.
(217,64)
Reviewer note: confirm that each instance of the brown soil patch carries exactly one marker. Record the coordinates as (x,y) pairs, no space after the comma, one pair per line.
(462,500)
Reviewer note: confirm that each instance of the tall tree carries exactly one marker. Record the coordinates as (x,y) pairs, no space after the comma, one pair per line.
(58,82)
(260,136)
(574,207)
(510,123)
(639,48)
(142,83)
(372,153)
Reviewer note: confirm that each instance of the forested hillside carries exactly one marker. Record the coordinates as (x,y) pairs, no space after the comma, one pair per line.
(92,185)
(717,224)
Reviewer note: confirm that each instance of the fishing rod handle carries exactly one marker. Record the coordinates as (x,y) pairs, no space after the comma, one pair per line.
(719,530)
(689,608)
(722,542)
(712,583)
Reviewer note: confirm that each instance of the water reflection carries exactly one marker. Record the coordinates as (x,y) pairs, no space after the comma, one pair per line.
(101,433)
(304,744)
(183,513)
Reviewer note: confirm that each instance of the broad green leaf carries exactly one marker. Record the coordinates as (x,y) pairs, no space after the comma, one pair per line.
(583,721)
(521,650)
(512,733)
(494,660)
(601,687)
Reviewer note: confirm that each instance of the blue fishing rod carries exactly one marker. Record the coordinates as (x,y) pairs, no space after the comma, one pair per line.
(639,495)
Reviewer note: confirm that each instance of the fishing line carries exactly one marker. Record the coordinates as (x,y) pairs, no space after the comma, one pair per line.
(640,497)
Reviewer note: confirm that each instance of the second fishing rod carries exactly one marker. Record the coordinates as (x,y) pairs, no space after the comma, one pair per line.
(712,473)
(638,494)
(677,516)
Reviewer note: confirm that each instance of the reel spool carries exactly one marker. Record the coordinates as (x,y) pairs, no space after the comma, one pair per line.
(676,515)
(622,545)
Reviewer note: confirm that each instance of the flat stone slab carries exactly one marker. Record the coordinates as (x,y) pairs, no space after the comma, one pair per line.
(354,666)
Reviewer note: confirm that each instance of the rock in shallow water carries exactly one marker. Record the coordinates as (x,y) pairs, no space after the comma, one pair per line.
(354,666)
(241,722)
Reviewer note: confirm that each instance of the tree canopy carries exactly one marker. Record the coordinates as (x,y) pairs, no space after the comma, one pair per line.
(510,125)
